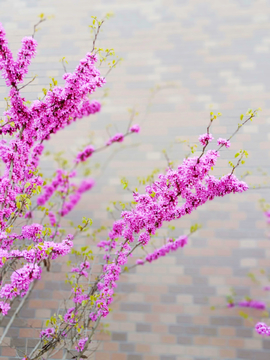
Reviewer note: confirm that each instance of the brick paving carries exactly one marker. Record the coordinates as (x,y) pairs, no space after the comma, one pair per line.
(204,52)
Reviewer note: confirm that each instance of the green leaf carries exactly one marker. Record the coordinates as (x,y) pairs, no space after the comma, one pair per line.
(243,314)
(241,117)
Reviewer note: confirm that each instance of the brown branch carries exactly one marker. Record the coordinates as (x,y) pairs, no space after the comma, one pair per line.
(96,35)
(27,83)
(35,26)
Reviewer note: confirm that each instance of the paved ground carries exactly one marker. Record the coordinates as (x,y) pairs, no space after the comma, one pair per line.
(204,53)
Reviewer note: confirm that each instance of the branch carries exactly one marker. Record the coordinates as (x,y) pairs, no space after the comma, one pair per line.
(35,26)
(96,35)
(27,83)
(7,327)
(239,126)
(117,62)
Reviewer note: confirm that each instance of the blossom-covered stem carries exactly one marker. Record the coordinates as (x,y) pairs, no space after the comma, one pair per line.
(10,176)
(90,336)
(207,140)
(60,212)
(106,146)
(52,343)
(16,312)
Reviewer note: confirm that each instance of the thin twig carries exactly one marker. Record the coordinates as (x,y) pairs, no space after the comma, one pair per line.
(96,35)
(35,26)
(27,83)
(114,65)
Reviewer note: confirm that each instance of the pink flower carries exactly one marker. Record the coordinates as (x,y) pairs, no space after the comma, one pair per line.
(116,138)
(205,139)
(52,218)
(81,344)
(253,304)
(224,142)
(4,308)
(93,316)
(135,128)
(32,232)
(262,329)
(85,154)
(47,333)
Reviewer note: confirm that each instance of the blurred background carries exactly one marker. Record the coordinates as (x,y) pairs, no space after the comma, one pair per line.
(181,60)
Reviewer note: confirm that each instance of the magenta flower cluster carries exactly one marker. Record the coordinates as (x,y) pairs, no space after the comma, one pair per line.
(116,138)
(255,304)
(85,154)
(22,278)
(224,142)
(135,128)
(28,127)
(173,195)
(205,139)
(262,329)
(47,333)
(171,245)
(81,344)
(192,182)
(34,124)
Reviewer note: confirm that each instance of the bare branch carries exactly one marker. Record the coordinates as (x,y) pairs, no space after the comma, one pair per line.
(27,83)
(35,26)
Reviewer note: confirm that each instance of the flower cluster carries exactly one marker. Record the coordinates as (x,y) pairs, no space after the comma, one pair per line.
(47,333)
(22,278)
(82,269)
(32,232)
(85,154)
(262,329)
(205,139)
(224,142)
(171,245)
(81,344)
(135,128)
(52,218)
(116,138)
(14,71)
(48,190)
(254,304)
(32,125)
(75,198)
(27,128)
(193,183)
